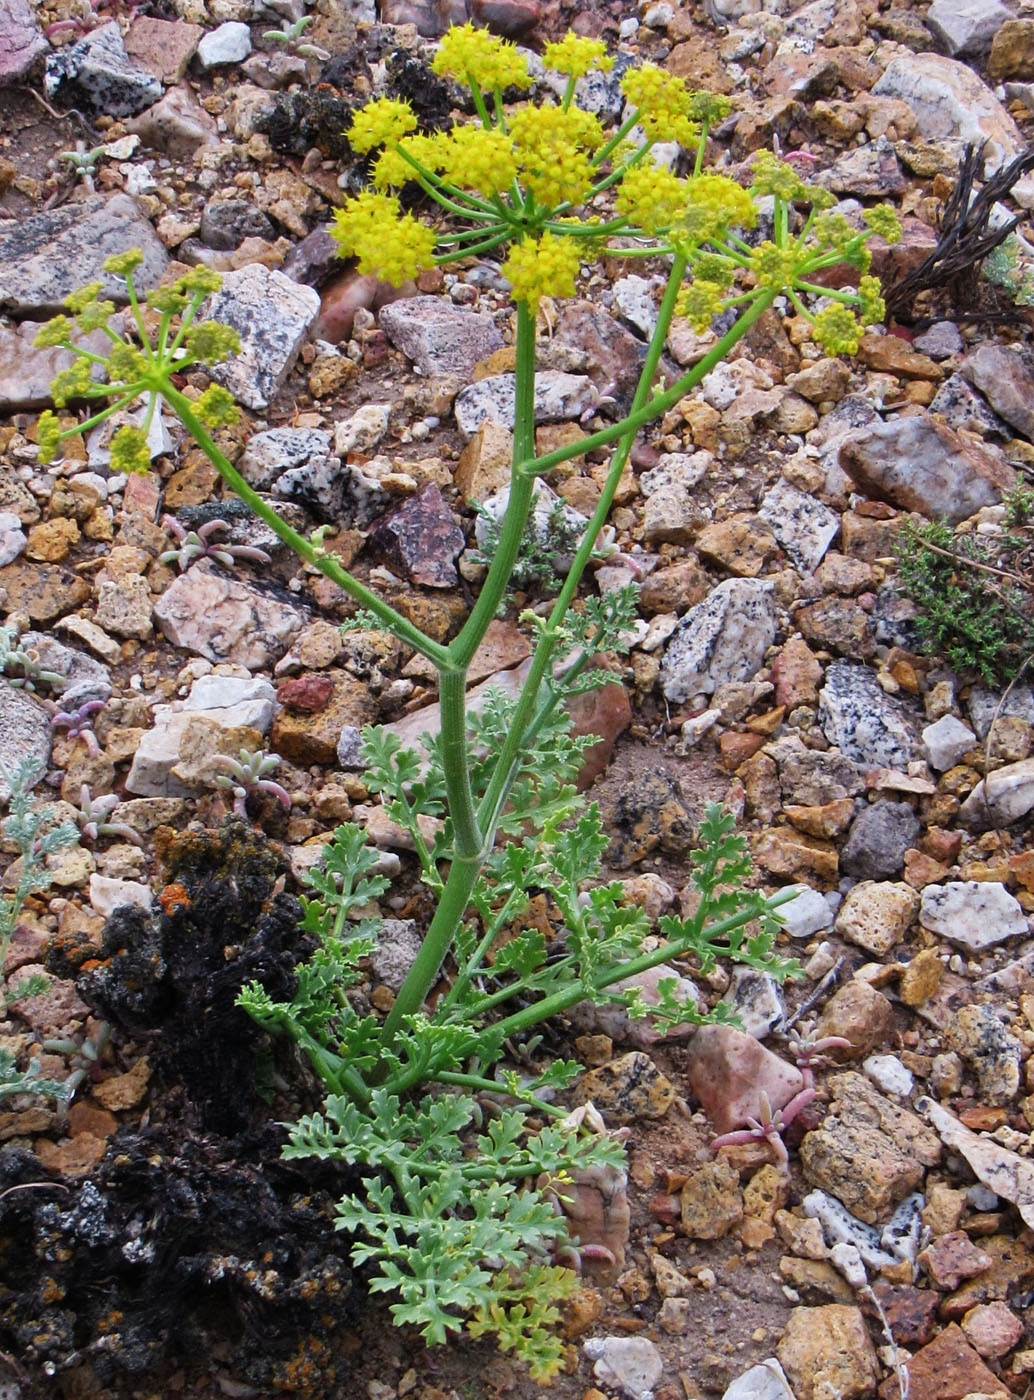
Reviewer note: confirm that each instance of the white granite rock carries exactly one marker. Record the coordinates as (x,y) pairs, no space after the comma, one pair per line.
(724,638)
(272,315)
(1004,797)
(268,455)
(866,725)
(12,537)
(440,339)
(974,914)
(632,1365)
(24,734)
(803,526)
(107,895)
(889,1075)
(766,1381)
(559,398)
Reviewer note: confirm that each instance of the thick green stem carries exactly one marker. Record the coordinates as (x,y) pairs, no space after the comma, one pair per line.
(319,559)
(448,916)
(452,697)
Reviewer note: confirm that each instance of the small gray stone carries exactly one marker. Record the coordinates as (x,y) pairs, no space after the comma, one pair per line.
(362,430)
(24,734)
(84,677)
(806,914)
(889,1075)
(672,512)
(230,43)
(974,914)
(124,607)
(440,339)
(803,526)
(965,28)
(218,617)
(177,126)
(398,943)
(632,1365)
(107,895)
(878,839)
(269,455)
(985,706)
(272,315)
(724,638)
(21,40)
(809,777)
(940,341)
(946,740)
(865,723)
(99,75)
(1005,378)
(45,257)
(226,223)
(978,1035)
(559,398)
(898,1240)
(756,998)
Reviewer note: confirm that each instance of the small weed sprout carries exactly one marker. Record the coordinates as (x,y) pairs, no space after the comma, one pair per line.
(290,36)
(92,818)
(79,724)
(22,667)
(200,544)
(446,1210)
(249,773)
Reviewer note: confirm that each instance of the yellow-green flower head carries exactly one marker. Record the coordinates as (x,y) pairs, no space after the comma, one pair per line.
(217,408)
(129,452)
(95,316)
(542,267)
(772,176)
(380,123)
(699,302)
(167,300)
(478,59)
(551,147)
(716,204)
(773,267)
(57,331)
(474,158)
(48,435)
(708,108)
(652,198)
(122,264)
(126,364)
(211,342)
(576,56)
(72,383)
(394,167)
(386,243)
(871,307)
(837,330)
(80,299)
(883,222)
(712,267)
(661,99)
(199,281)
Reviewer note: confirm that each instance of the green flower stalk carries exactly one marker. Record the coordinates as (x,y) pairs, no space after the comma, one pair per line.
(452,1221)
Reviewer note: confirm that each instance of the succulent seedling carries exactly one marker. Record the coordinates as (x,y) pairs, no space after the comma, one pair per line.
(249,774)
(198,544)
(92,818)
(79,724)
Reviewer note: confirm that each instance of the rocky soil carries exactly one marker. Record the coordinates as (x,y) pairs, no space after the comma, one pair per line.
(152,1244)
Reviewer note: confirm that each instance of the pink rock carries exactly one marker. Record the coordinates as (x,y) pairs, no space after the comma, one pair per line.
(21,42)
(596,1205)
(343,297)
(310,694)
(797,674)
(992,1328)
(606,712)
(951,1258)
(728,1071)
(506,17)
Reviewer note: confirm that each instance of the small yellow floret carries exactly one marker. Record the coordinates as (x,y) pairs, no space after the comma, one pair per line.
(662,101)
(478,59)
(544,267)
(380,123)
(551,147)
(576,56)
(480,160)
(716,204)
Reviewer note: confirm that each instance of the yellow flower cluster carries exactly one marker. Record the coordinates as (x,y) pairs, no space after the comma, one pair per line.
(576,56)
(473,158)
(380,123)
(871,306)
(652,197)
(386,243)
(699,302)
(774,267)
(48,436)
(837,330)
(551,147)
(392,169)
(129,452)
(663,104)
(543,267)
(477,59)
(716,204)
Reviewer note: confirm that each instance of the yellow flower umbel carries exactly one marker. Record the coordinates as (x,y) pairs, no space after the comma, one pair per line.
(386,243)
(479,60)
(543,267)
